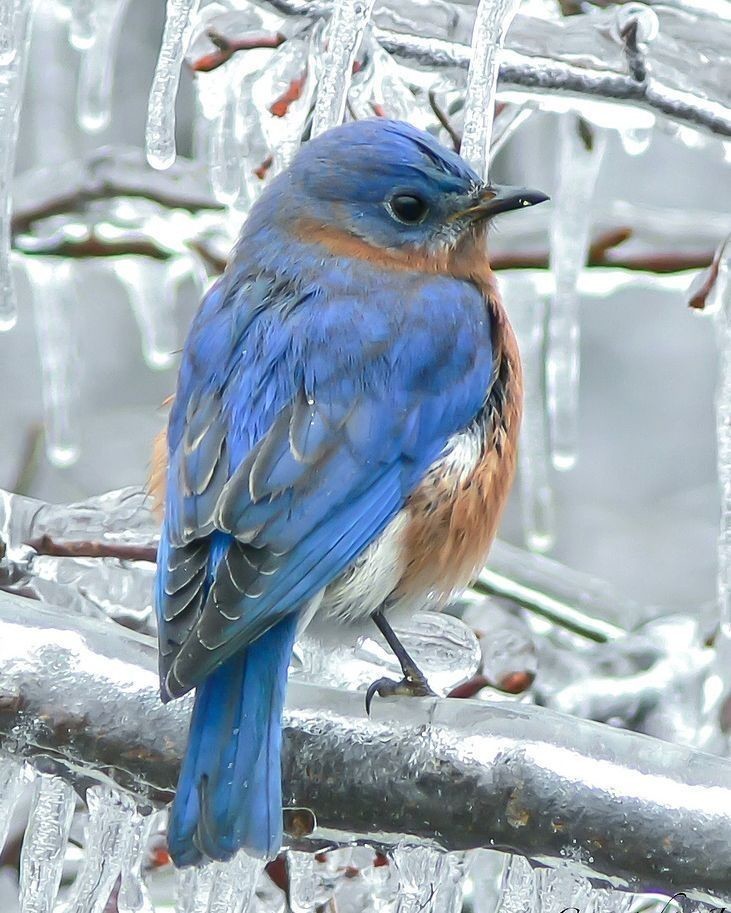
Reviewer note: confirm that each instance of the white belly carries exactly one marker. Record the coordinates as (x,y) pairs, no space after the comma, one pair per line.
(367,583)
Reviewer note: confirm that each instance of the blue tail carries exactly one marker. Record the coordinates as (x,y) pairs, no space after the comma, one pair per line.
(229,793)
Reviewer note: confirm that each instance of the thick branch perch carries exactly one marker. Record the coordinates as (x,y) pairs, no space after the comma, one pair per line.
(81,697)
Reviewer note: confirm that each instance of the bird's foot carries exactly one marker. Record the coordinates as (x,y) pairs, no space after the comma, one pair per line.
(413,684)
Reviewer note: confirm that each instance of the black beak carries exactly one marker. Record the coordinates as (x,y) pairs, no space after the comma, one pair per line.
(493,199)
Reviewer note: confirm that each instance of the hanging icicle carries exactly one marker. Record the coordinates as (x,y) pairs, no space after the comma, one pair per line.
(160,137)
(492,22)
(106,839)
(580,152)
(234,884)
(94,96)
(720,307)
(54,309)
(527,300)
(344,35)
(44,844)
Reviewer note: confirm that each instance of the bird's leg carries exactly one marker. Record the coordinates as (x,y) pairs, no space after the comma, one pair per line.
(413,684)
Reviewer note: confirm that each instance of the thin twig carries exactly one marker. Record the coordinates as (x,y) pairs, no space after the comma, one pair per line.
(45,545)
(226,48)
(444,120)
(699,299)
(94,246)
(29,460)
(78,201)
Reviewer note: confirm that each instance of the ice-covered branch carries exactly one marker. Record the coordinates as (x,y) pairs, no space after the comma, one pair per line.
(552,60)
(80,699)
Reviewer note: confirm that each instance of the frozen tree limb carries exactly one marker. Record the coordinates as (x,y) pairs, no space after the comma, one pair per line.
(546,58)
(80,698)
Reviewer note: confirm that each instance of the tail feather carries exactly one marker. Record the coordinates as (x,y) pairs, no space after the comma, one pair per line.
(229,792)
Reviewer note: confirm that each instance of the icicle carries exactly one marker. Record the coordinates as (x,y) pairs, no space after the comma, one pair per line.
(579,158)
(519,889)
(528,316)
(636,140)
(93,102)
(302,882)
(44,844)
(226,160)
(194,889)
(54,308)
(379,88)
(133,895)
(160,138)
(16,22)
(448,898)
(283,95)
(8,49)
(421,871)
(506,124)
(82,26)
(106,838)
(234,884)
(482,885)
(492,22)
(609,901)
(720,306)
(344,35)
(13,777)
(151,288)
(560,889)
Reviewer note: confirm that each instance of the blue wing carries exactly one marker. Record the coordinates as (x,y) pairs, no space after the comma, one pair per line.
(302,422)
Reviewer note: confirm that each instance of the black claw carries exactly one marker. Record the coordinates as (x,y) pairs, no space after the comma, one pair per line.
(411,686)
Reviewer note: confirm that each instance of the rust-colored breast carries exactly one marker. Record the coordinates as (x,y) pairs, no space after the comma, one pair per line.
(158,472)
(455,512)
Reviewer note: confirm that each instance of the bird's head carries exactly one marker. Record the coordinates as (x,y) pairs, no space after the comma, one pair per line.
(392,186)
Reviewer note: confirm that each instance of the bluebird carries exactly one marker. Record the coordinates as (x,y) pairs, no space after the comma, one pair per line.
(341,442)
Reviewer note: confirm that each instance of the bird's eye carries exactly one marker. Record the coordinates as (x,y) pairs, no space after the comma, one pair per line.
(408,208)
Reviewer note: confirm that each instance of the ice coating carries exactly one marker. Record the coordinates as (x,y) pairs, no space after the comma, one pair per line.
(44,843)
(54,310)
(15,30)
(160,136)
(492,22)
(344,35)
(581,149)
